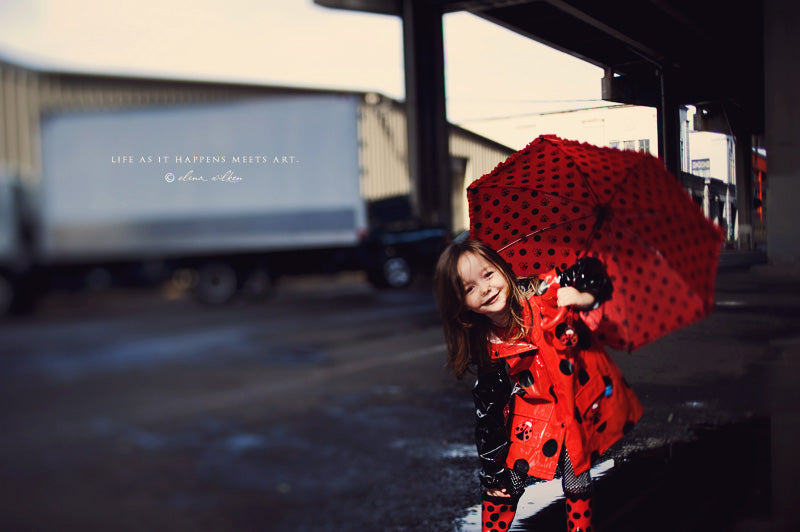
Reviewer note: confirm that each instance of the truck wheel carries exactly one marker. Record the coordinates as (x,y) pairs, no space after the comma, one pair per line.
(216,283)
(258,284)
(6,295)
(18,295)
(397,272)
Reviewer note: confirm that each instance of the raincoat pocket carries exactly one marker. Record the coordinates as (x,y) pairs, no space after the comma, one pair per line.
(534,438)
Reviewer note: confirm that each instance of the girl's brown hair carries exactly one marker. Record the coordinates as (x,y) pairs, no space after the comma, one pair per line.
(465,331)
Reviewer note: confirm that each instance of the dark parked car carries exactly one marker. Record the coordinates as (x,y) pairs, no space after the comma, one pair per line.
(398,256)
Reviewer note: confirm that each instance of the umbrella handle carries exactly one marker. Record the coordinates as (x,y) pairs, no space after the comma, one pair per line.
(549,323)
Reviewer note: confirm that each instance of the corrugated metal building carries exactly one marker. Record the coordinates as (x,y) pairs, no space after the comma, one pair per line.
(27,95)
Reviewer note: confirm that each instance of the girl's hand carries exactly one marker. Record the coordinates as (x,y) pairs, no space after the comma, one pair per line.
(569,296)
(497,493)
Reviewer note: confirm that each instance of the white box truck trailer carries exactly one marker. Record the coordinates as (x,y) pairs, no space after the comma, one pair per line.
(236,192)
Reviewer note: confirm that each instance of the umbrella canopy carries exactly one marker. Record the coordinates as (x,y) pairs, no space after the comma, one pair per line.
(557,200)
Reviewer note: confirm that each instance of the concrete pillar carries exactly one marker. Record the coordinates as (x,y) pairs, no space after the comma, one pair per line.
(428,135)
(782,140)
(730,179)
(669,126)
(743,149)
(782,136)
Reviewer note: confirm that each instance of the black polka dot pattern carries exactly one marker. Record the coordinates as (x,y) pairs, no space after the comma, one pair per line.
(497,517)
(525,378)
(556,200)
(550,448)
(579,512)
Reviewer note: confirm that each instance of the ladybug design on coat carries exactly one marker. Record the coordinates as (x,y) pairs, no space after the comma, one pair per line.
(523,431)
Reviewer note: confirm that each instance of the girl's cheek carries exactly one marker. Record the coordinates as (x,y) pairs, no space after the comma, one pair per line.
(467,301)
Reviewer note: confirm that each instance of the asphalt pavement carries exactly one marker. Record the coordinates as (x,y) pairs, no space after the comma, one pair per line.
(327,408)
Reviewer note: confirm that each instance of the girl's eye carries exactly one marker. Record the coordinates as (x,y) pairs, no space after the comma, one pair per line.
(488,274)
(468,290)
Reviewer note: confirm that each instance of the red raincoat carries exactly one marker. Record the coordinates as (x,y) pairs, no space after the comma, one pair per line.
(570,396)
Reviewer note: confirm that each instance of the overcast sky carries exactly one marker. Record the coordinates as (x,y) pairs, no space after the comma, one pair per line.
(491,72)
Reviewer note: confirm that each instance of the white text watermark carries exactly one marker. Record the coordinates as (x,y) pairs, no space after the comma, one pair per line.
(191,177)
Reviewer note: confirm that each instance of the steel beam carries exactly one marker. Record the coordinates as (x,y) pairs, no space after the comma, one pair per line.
(428,135)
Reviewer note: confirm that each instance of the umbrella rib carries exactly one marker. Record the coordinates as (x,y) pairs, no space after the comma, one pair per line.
(586,182)
(548,228)
(634,236)
(620,185)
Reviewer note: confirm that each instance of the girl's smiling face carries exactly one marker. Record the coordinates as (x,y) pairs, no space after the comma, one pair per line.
(486,290)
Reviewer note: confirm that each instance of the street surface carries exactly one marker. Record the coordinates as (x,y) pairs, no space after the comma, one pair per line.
(327,408)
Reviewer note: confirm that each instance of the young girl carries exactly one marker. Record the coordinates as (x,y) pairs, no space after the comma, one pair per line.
(548,399)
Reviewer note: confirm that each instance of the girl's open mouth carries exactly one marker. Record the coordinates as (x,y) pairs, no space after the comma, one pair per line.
(491,300)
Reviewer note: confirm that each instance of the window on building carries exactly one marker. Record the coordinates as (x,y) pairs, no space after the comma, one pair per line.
(629,145)
(614,144)
(644,145)
(701,167)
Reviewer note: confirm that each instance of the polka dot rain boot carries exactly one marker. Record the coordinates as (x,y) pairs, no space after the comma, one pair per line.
(497,513)
(579,512)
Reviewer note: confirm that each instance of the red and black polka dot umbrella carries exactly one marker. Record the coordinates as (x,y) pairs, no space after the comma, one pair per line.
(556,200)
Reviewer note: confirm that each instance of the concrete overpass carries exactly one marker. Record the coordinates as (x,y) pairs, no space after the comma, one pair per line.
(736,62)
